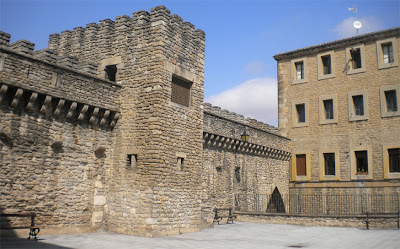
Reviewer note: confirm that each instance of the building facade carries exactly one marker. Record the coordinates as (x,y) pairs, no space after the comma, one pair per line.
(339,105)
(106,129)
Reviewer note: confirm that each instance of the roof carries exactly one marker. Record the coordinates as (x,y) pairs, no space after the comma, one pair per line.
(337,43)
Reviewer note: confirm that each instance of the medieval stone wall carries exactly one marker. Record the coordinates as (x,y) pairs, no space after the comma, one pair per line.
(56,134)
(153,197)
(234,169)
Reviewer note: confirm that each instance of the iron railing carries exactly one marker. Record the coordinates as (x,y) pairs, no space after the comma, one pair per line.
(325,204)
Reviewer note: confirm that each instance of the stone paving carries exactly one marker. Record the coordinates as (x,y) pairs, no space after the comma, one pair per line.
(238,235)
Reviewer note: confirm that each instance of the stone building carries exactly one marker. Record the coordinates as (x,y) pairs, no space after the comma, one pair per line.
(339,105)
(106,129)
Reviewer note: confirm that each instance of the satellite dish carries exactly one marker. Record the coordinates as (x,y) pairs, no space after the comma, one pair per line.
(357,24)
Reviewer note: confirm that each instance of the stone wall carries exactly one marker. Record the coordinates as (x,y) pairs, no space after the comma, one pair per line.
(154,197)
(233,168)
(56,135)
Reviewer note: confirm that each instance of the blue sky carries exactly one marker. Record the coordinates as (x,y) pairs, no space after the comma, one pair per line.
(241,35)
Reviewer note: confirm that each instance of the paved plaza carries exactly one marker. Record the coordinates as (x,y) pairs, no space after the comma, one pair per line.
(238,235)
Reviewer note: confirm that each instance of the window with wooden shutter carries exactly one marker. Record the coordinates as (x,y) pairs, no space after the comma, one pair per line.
(301,164)
(180,92)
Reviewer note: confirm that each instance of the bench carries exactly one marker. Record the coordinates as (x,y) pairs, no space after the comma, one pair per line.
(393,216)
(33,229)
(218,217)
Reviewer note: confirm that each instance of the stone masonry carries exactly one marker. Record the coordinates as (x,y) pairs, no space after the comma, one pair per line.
(106,129)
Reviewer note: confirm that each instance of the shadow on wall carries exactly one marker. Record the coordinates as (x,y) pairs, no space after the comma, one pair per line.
(275,203)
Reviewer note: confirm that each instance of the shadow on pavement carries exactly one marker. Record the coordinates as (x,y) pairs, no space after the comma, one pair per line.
(14,242)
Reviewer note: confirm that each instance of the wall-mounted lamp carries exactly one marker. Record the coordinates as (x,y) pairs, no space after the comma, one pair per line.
(244,137)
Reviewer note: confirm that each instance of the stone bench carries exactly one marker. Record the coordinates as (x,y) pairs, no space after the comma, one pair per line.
(385,216)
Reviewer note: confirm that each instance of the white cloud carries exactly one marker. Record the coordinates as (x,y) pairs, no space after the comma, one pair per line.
(369,24)
(255,98)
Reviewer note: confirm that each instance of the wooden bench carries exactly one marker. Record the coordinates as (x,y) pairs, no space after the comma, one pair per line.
(218,217)
(33,229)
(393,216)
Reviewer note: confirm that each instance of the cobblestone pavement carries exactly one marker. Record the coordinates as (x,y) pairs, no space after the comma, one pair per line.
(238,235)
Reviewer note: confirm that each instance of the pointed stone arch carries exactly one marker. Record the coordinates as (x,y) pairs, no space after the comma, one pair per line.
(275,202)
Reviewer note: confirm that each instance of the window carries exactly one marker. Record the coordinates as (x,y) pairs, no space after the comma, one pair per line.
(56,79)
(328,109)
(299,70)
(329,168)
(180,91)
(394,160)
(355,55)
(358,105)
(358,109)
(301,165)
(237,174)
(180,163)
(326,64)
(111,72)
(386,53)
(301,170)
(131,161)
(361,162)
(329,159)
(391,161)
(355,59)
(390,100)
(300,113)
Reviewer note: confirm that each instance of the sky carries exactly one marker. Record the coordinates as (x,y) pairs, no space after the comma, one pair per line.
(242,36)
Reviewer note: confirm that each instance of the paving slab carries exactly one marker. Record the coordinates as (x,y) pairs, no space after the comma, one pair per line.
(237,235)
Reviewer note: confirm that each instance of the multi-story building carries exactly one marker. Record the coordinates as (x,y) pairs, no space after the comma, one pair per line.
(339,105)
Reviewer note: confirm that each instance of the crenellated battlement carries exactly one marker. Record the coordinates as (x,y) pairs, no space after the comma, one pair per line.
(216,110)
(97,41)
(47,55)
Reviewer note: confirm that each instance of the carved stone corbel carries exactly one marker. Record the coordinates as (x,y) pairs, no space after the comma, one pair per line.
(46,104)
(71,109)
(31,104)
(84,109)
(115,119)
(93,115)
(17,97)
(3,91)
(60,104)
(105,116)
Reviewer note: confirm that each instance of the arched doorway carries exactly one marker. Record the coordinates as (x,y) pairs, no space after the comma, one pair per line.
(275,203)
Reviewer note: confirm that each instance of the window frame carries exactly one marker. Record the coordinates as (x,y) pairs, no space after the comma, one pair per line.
(384,112)
(294,71)
(321,75)
(349,68)
(353,163)
(322,119)
(295,123)
(295,177)
(352,116)
(385,154)
(379,52)
(322,176)
(180,161)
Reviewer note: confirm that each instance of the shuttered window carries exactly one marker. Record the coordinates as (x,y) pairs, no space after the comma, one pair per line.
(180,92)
(301,164)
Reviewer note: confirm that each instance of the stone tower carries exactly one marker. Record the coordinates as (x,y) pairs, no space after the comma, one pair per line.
(154,183)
